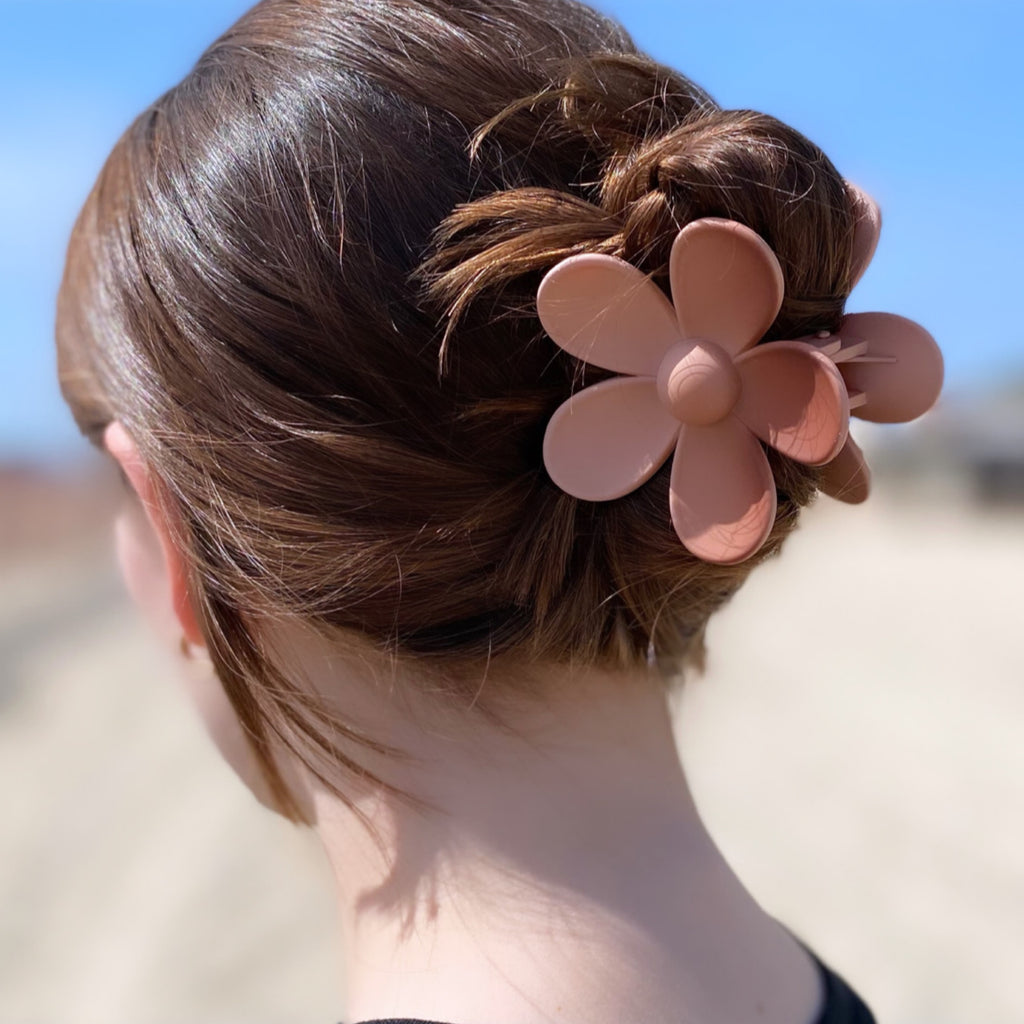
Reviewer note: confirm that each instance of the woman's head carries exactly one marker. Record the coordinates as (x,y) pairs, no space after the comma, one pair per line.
(304,283)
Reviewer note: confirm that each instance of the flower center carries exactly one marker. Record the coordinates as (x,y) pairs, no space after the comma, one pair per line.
(698,383)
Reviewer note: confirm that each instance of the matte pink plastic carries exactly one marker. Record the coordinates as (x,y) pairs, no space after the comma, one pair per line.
(722,493)
(847,477)
(891,366)
(642,439)
(698,383)
(900,371)
(607,313)
(727,285)
(893,371)
(694,380)
(794,400)
(867,229)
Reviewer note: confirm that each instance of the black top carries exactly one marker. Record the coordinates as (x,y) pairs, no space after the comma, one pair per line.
(841,1006)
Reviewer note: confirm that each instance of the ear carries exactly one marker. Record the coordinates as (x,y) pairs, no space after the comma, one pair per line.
(122,448)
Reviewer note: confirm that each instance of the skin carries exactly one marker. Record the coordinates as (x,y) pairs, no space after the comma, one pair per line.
(564,873)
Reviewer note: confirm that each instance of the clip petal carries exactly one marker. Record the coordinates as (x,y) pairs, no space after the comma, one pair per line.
(794,399)
(608,439)
(866,231)
(722,492)
(606,312)
(847,477)
(900,371)
(727,284)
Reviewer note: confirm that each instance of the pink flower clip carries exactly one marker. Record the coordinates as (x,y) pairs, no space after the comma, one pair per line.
(891,366)
(693,382)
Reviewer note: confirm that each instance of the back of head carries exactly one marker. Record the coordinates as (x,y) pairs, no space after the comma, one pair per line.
(305,281)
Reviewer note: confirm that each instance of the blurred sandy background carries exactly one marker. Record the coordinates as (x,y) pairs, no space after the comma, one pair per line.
(855,748)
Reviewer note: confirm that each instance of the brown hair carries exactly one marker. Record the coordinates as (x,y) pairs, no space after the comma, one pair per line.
(304,281)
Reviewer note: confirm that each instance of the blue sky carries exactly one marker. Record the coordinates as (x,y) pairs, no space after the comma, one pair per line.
(922,103)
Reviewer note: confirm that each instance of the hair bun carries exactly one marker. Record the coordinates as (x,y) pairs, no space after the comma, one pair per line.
(325,341)
(652,174)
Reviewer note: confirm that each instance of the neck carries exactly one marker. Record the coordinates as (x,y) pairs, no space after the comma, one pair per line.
(564,875)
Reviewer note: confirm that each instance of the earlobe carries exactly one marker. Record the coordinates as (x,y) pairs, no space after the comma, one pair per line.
(122,448)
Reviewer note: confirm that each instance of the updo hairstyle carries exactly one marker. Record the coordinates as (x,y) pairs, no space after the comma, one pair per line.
(305,282)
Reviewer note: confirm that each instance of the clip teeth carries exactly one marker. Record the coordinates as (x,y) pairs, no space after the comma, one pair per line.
(852,352)
(838,350)
(873,359)
(827,346)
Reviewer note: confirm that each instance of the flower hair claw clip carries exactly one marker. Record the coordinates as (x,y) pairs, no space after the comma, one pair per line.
(696,386)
